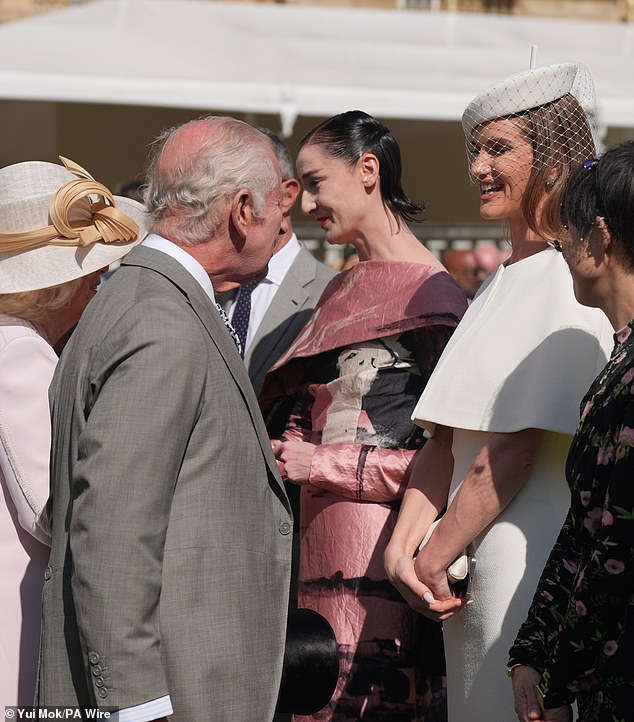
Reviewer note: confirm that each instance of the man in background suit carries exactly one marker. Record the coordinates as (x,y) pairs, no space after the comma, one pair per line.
(167,589)
(281,303)
(463,265)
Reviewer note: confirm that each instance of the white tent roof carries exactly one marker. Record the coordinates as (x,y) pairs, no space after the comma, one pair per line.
(298,59)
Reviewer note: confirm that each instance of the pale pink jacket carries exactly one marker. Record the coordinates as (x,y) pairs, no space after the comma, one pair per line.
(27,363)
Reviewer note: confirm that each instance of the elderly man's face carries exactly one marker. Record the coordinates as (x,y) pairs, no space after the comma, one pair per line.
(241,257)
(261,238)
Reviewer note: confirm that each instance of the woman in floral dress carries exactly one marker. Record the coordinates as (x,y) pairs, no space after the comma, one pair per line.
(578,639)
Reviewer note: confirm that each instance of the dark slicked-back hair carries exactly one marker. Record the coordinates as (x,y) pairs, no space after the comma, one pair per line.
(348,136)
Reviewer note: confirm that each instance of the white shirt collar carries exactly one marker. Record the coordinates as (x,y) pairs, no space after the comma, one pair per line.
(282,260)
(189,263)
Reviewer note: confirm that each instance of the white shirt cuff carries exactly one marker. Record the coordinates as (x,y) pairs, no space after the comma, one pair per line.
(145,712)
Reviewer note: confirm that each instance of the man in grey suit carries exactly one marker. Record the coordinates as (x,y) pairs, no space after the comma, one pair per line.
(282,302)
(166,594)
(280,305)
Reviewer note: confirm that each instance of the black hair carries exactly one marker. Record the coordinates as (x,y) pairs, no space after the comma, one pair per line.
(348,136)
(604,186)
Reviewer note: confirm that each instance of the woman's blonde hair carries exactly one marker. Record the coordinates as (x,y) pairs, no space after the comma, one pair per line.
(35,305)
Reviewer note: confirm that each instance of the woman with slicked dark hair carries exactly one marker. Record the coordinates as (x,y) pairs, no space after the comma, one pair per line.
(352,378)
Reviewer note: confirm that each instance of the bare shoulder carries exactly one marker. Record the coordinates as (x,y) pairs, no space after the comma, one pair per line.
(424,255)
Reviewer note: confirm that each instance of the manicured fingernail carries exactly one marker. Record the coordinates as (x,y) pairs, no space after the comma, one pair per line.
(429,597)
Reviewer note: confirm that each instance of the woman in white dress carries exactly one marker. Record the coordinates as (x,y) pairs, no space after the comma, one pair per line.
(502,403)
(47,277)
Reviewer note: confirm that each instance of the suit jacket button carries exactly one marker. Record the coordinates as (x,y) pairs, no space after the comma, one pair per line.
(102,692)
(285,528)
(99,682)
(93,658)
(48,573)
(96,670)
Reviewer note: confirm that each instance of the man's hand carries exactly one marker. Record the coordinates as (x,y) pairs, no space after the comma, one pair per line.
(294,459)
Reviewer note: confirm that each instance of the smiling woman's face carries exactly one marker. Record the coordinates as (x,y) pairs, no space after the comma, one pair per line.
(501,166)
(333,193)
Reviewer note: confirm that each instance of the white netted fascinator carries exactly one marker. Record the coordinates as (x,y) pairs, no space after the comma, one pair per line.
(553,106)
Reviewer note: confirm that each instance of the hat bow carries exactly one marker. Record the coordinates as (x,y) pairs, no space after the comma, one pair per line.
(108,224)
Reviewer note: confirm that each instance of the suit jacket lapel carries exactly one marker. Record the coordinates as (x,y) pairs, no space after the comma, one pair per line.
(203,307)
(289,300)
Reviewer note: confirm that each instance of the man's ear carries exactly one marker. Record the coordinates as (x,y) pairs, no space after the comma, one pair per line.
(290,191)
(242,211)
(369,168)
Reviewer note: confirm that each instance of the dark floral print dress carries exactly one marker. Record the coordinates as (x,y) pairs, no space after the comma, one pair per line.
(579,633)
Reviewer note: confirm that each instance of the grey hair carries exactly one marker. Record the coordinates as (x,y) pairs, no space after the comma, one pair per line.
(282,153)
(195,187)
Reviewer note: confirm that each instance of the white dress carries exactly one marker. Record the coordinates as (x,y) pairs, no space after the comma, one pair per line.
(523,356)
(27,363)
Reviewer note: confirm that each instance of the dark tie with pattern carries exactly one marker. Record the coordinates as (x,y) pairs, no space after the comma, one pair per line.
(242,313)
(230,328)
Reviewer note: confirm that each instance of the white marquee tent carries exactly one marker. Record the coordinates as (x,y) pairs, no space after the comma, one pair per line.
(298,59)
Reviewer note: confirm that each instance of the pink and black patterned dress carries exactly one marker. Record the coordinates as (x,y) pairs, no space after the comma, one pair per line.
(354,375)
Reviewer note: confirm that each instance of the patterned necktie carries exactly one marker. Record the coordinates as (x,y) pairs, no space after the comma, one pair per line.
(242,313)
(230,328)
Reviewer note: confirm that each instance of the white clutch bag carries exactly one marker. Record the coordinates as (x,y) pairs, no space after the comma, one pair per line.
(462,567)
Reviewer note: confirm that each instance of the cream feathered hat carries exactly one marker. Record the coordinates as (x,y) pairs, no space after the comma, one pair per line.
(58,224)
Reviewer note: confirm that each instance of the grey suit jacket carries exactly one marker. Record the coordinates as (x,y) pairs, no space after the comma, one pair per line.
(288,313)
(172,535)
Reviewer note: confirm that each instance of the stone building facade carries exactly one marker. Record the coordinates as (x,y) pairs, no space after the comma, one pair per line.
(615,10)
